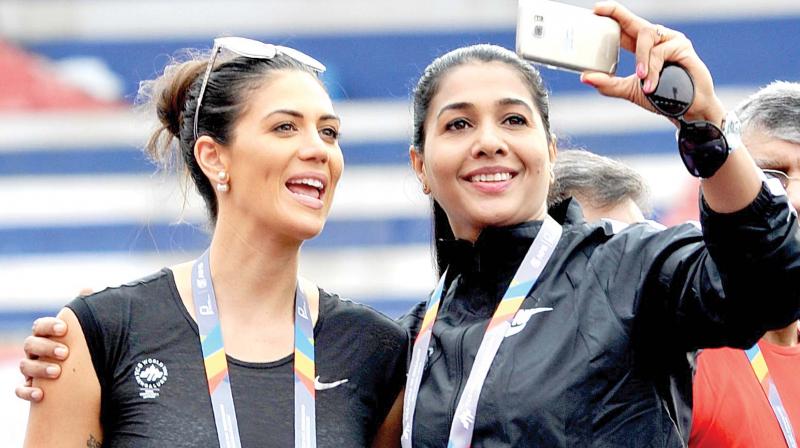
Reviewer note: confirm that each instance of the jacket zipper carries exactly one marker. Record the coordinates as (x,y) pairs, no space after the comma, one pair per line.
(460,371)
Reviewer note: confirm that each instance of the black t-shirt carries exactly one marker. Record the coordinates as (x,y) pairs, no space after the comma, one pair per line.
(147,356)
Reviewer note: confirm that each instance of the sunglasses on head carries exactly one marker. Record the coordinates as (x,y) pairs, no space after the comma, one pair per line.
(251,49)
(701,144)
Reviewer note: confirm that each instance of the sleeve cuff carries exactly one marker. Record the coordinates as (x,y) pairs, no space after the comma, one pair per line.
(93,334)
(765,207)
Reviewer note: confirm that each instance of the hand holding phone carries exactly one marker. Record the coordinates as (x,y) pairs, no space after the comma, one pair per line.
(567,37)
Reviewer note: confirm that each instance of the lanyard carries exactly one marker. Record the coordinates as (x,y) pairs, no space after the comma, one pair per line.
(216,365)
(759,365)
(525,278)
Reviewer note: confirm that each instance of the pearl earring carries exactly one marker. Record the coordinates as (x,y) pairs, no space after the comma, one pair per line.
(222,181)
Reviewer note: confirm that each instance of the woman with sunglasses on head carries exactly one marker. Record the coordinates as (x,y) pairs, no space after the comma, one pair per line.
(546,330)
(233,349)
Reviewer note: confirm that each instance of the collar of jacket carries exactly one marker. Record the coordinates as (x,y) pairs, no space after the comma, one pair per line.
(501,246)
(479,273)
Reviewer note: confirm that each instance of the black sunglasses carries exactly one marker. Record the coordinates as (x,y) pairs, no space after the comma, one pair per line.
(701,144)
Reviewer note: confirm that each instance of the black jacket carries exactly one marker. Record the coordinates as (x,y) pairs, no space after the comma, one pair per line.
(606,367)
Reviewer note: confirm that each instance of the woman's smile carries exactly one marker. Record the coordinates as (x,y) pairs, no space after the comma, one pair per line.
(490,179)
(308,189)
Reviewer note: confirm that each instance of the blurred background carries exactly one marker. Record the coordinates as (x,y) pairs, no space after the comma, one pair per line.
(80,206)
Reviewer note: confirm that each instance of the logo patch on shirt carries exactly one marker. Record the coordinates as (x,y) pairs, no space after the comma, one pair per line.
(521,319)
(150,375)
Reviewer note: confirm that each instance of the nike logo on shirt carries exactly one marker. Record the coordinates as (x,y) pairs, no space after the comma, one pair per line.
(318,385)
(521,319)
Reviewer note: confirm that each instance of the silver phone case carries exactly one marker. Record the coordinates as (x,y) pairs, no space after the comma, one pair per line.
(567,37)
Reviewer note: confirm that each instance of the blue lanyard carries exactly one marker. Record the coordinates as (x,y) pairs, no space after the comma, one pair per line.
(216,364)
(463,425)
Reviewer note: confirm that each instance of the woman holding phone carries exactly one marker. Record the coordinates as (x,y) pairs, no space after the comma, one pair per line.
(548,331)
(545,330)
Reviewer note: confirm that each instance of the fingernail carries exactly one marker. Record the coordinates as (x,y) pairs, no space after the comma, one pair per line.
(59,328)
(586,81)
(647,86)
(36,395)
(60,352)
(640,70)
(52,370)
(33,327)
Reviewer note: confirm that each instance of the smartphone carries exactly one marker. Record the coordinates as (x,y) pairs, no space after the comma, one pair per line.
(567,37)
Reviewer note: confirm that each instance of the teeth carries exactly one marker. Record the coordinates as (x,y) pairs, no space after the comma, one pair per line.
(310,182)
(496,177)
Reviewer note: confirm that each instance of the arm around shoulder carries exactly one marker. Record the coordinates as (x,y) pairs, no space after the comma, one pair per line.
(392,427)
(71,414)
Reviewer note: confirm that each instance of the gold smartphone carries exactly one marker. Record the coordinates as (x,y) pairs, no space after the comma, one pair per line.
(567,37)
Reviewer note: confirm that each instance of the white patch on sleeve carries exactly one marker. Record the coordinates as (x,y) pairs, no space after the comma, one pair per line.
(774,186)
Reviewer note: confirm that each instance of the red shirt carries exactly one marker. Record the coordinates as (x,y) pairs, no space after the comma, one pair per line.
(730,407)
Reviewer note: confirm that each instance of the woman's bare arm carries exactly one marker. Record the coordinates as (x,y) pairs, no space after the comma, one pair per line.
(737,183)
(71,414)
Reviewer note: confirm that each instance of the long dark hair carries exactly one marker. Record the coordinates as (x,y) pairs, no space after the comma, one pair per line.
(428,86)
(173,96)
